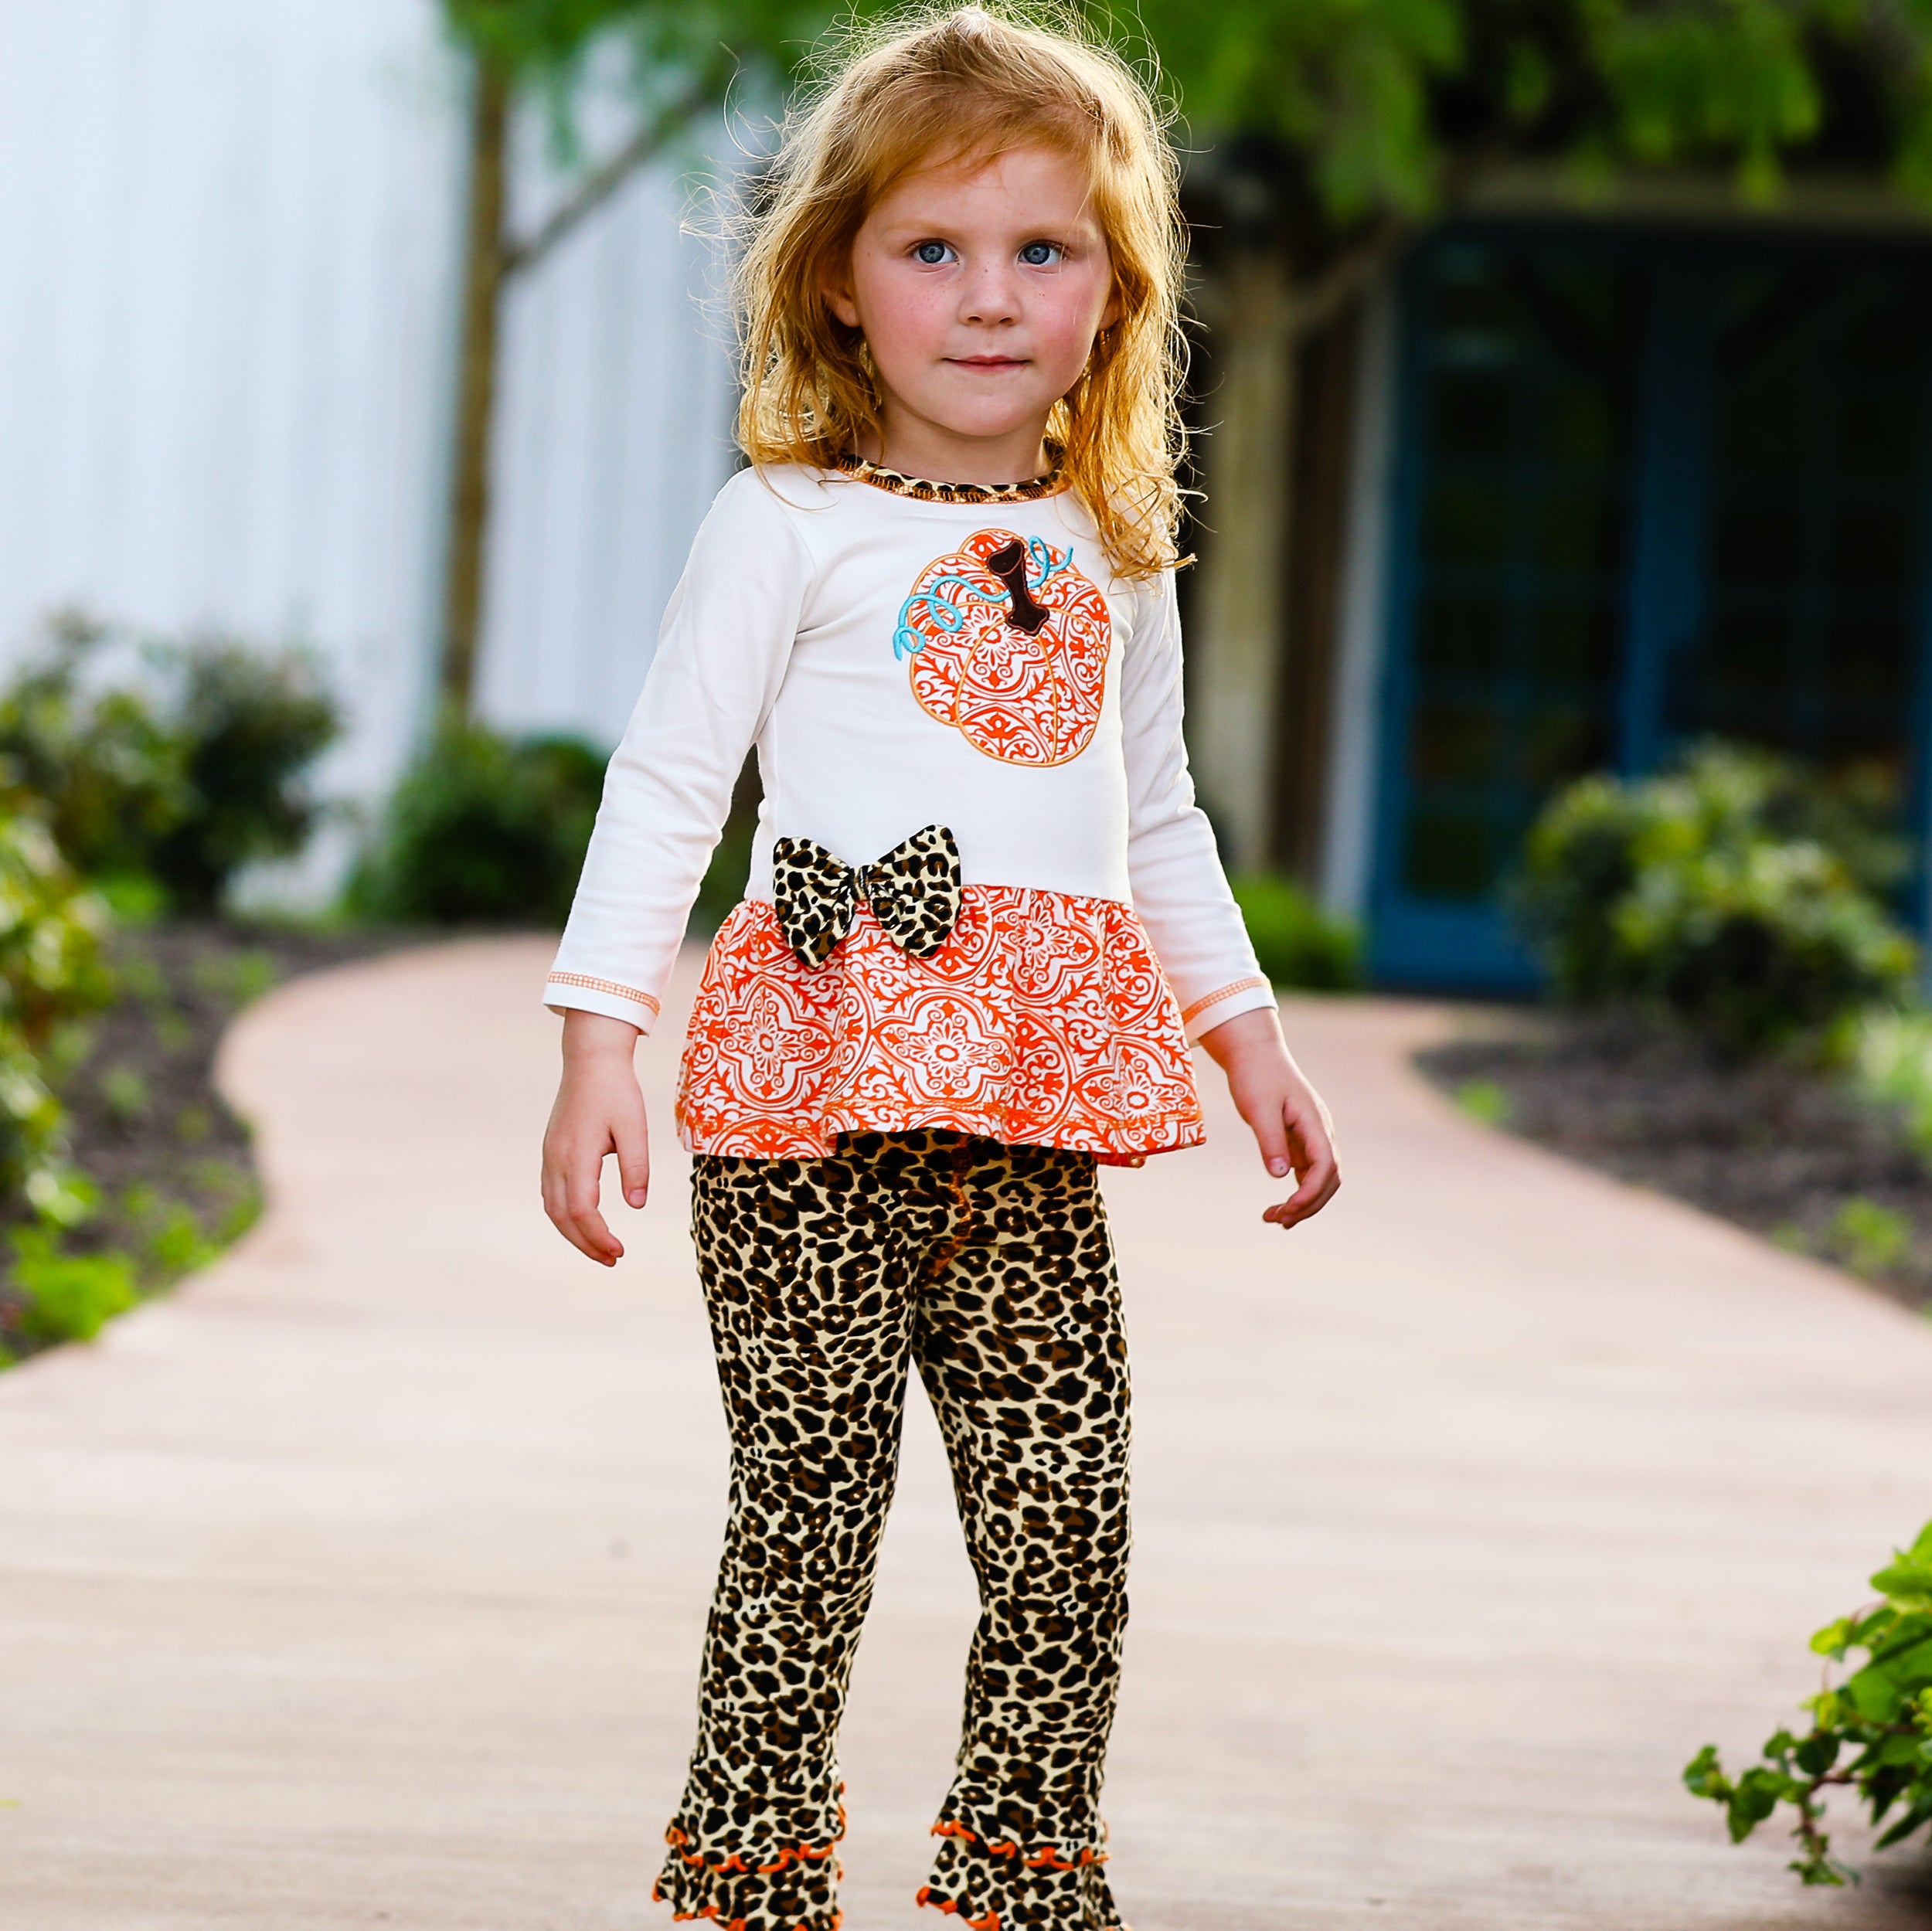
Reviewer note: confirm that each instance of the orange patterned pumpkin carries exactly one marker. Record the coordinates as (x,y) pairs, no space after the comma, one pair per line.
(1009,643)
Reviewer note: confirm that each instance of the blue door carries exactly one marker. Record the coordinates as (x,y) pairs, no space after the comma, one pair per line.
(1648,489)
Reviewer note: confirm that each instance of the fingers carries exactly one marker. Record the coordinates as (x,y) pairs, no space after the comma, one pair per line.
(634,1160)
(571,1176)
(1316,1168)
(1270,1133)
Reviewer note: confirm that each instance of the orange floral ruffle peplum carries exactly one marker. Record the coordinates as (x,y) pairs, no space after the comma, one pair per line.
(1044,1020)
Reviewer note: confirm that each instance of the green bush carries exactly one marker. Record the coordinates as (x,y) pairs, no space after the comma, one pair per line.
(1871,1732)
(249,726)
(112,775)
(67,1296)
(1297,943)
(51,973)
(1892,1064)
(174,793)
(484,830)
(1711,895)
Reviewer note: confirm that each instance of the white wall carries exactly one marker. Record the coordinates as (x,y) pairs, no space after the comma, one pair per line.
(229,231)
(613,435)
(224,328)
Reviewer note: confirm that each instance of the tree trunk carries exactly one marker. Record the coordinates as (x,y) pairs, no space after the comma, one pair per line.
(1242,608)
(484,256)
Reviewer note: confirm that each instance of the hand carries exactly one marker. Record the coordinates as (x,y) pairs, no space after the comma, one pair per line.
(599,1111)
(1289,1124)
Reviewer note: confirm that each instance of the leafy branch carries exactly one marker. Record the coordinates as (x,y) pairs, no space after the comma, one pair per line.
(1872,1732)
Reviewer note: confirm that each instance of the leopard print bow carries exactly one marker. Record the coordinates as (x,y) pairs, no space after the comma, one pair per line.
(914,891)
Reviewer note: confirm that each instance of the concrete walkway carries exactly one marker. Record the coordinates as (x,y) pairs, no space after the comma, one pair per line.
(360,1581)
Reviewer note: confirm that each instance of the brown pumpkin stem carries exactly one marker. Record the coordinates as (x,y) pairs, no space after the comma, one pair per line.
(1008,564)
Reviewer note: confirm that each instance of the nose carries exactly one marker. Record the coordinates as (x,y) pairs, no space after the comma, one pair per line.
(989,293)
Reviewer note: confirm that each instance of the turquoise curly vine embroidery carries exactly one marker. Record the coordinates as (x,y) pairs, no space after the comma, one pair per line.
(948,617)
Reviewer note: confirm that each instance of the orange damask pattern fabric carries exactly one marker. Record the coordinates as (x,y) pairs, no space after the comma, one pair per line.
(1009,643)
(1045,1020)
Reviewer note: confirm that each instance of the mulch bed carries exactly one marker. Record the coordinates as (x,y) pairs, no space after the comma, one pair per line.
(170,1159)
(1786,1152)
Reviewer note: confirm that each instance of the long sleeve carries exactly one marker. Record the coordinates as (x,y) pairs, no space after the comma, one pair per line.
(1179,889)
(721,656)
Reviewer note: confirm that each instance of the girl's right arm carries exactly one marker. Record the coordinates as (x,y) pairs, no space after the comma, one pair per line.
(721,656)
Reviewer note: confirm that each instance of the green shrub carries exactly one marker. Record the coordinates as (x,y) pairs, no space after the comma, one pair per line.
(1871,1239)
(113,777)
(164,798)
(249,727)
(51,973)
(1871,1732)
(1485,1101)
(484,830)
(1297,943)
(1892,1064)
(1709,894)
(67,1296)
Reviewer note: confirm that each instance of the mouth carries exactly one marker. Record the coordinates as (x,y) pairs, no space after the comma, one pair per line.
(986,362)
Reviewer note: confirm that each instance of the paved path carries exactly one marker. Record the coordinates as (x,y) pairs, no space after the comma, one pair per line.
(360,1583)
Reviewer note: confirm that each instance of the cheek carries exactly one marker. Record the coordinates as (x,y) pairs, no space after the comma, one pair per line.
(1066,319)
(903,316)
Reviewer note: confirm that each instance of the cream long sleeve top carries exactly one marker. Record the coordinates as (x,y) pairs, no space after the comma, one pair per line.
(856,629)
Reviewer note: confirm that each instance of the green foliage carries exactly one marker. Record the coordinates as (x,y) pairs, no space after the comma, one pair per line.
(110,773)
(164,798)
(1892,1064)
(51,972)
(1485,1100)
(68,1296)
(249,726)
(484,830)
(1871,1239)
(1709,894)
(1871,1731)
(1381,99)
(1296,942)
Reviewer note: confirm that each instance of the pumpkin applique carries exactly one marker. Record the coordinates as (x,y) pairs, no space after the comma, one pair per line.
(1008,642)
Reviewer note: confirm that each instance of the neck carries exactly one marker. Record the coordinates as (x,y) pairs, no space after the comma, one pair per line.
(919,448)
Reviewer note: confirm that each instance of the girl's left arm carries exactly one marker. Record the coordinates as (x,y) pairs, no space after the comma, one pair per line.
(1182,897)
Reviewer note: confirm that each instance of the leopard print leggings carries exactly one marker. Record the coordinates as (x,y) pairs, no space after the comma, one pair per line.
(989,1267)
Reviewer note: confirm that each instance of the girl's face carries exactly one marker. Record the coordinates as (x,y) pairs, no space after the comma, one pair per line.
(979,287)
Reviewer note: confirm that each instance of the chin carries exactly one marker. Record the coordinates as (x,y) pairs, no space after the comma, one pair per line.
(985,423)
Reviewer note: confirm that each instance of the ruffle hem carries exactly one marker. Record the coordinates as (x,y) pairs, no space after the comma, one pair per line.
(1044,1020)
(790,1889)
(1001,1885)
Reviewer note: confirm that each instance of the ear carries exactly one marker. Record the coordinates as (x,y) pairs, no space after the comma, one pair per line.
(1112,313)
(836,286)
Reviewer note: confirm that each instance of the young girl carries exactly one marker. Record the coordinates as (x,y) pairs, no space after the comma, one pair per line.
(940,604)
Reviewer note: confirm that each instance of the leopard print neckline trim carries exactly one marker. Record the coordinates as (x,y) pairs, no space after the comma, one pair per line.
(918,488)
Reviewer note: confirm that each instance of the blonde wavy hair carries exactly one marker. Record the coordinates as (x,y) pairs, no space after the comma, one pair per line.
(960,83)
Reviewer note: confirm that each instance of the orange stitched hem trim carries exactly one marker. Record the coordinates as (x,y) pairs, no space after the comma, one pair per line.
(1215,998)
(803,1854)
(1049,1859)
(989,1923)
(604,985)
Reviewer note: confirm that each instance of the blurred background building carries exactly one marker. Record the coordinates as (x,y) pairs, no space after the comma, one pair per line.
(1577,488)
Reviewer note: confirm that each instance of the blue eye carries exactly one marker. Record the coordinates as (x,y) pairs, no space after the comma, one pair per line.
(931,252)
(1040,254)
